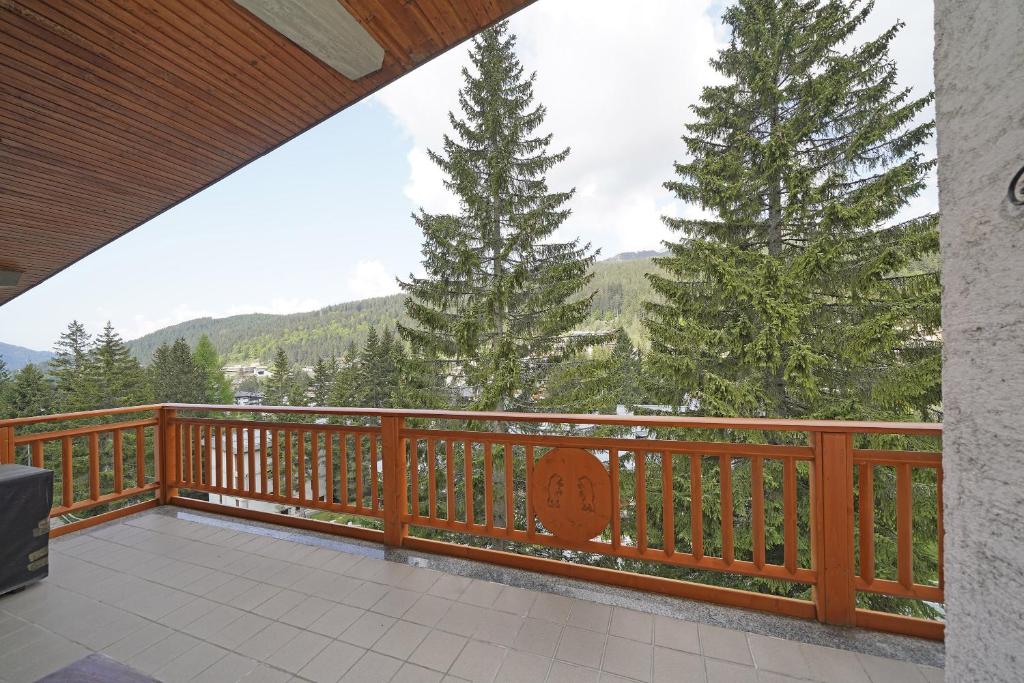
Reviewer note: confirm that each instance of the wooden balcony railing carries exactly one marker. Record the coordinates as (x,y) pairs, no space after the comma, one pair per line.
(497,487)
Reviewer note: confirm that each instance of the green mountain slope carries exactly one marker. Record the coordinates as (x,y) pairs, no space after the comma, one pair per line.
(619,283)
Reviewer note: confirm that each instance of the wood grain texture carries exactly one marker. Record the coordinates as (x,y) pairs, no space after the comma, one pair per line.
(113,112)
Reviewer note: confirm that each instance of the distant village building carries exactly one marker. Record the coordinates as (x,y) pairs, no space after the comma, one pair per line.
(248,398)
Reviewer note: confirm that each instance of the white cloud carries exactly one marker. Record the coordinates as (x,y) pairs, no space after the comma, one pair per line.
(369,279)
(617,84)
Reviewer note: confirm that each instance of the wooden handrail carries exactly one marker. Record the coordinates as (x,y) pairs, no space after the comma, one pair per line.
(663,421)
(380,478)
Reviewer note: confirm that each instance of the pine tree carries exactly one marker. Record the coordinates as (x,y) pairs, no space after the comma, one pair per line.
(70,368)
(280,389)
(5,389)
(29,394)
(498,297)
(218,387)
(346,383)
(598,382)
(115,376)
(175,376)
(801,295)
(322,384)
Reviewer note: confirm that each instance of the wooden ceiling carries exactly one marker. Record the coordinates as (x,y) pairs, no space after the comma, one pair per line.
(113,111)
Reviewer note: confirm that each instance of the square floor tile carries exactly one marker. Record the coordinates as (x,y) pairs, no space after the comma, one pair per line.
(629,623)
(401,639)
(674,666)
(438,650)
(521,667)
(365,630)
(373,668)
(331,663)
(580,646)
(629,658)
(478,661)
(724,643)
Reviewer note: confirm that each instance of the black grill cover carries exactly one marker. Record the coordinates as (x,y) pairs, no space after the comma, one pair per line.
(26,496)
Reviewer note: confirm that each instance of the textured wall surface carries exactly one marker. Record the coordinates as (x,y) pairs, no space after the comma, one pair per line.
(979,75)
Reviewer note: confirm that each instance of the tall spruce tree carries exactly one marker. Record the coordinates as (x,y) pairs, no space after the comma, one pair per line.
(284,387)
(321,385)
(498,297)
(30,394)
(70,369)
(801,294)
(218,387)
(175,376)
(115,375)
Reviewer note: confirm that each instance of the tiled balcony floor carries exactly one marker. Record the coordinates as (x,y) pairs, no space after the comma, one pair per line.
(183,599)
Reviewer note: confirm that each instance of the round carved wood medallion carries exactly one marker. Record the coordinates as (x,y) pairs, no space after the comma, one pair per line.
(572,494)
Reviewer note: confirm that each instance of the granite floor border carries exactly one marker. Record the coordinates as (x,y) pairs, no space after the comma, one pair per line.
(904,648)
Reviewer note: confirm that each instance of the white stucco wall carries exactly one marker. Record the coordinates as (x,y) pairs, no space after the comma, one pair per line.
(979,75)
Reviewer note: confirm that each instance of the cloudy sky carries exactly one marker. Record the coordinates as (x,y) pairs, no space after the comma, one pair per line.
(325,218)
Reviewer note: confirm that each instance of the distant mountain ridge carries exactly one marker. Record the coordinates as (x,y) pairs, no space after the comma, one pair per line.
(619,283)
(17,357)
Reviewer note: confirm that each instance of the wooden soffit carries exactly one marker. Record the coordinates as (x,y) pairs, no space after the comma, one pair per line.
(113,111)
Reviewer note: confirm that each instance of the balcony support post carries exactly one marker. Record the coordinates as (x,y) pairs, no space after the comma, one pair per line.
(394,465)
(165,448)
(6,445)
(832,533)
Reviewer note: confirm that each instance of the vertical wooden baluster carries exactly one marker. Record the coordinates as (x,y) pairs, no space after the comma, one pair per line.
(640,484)
(789,513)
(374,493)
(613,471)
(229,460)
(489,485)
(725,481)
(432,477)
(329,455)
(531,527)
(263,462)
(941,529)
(67,472)
(185,445)
(449,455)
(467,462)
(359,470)
(314,456)
(300,462)
(697,506)
(217,448)
(118,461)
(668,505)
(343,467)
(94,465)
(211,480)
(866,515)
(275,466)
(510,517)
(413,447)
(197,454)
(240,459)
(37,454)
(251,462)
(904,526)
(289,481)
(140,456)
(757,508)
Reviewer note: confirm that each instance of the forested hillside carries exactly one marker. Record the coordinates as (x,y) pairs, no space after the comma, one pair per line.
(619,282)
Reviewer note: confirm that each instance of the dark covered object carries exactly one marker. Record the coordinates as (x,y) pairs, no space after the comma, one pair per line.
(26,495)
(97,668)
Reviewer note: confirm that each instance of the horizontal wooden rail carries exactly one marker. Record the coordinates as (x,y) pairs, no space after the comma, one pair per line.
(84,431)
(661,421)
(788,514)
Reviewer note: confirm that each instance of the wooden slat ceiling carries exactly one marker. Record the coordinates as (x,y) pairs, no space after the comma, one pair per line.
(112,111)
